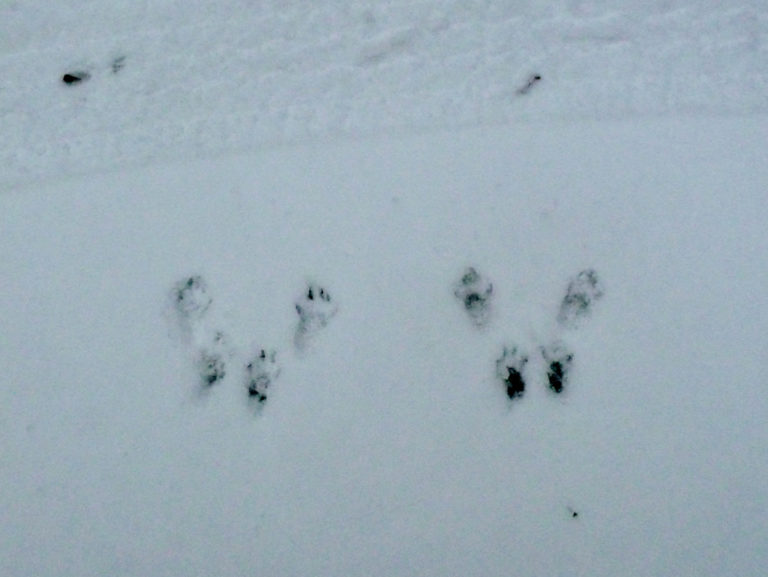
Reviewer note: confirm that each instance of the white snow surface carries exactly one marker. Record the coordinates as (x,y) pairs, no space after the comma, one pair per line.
(201,77)
(378,150)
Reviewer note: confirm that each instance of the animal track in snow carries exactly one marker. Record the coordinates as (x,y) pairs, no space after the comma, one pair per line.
(261,372)
(212,353)
(558,360)
(509,368)
(192,298)
(315,309)
(210,348)
(475,292)
(583,291)
(212,361)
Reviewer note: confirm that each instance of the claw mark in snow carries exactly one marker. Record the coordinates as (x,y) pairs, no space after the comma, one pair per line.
(386,45)
(532,80)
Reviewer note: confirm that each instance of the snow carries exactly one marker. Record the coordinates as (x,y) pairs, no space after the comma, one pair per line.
(379,151)
(201,78)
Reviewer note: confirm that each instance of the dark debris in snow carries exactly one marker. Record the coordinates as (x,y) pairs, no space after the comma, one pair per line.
(75,77)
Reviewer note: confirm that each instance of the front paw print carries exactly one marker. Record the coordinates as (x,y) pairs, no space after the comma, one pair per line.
(315,309)
(192,298)
(583,291)
(475,292)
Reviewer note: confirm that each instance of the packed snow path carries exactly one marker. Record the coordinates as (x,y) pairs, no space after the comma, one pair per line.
(172,83)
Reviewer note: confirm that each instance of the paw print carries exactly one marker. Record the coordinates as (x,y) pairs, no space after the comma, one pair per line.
(315,308)
(475,293)
(212,361)
(261,373)
(210,352)
(212,368)
(209,348)
(583,291)
(558,361)
(192,298)
(509,368)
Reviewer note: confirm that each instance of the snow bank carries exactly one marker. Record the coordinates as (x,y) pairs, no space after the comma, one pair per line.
(203,79)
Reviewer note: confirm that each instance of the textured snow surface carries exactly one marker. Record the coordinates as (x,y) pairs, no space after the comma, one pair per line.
(201,77)
(373,154)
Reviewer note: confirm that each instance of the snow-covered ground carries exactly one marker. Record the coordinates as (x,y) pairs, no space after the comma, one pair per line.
(370,154)
(202,78)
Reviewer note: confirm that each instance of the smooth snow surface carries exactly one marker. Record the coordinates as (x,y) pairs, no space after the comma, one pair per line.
(387,445)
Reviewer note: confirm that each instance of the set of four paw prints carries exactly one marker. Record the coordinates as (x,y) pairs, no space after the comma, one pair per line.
(315,309)
(582,292)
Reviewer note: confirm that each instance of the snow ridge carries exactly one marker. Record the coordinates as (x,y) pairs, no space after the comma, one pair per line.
(239,78)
